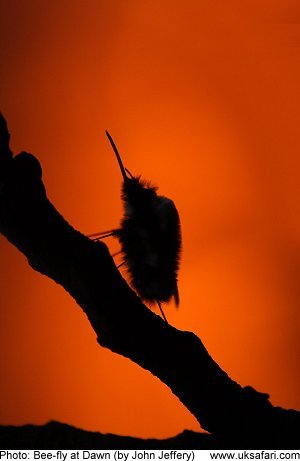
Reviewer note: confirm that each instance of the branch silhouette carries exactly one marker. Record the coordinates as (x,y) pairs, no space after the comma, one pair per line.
(122,323)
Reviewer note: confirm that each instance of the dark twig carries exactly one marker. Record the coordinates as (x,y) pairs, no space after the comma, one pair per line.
(123,324)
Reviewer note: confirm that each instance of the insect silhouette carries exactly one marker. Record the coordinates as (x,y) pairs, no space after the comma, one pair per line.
(150,238)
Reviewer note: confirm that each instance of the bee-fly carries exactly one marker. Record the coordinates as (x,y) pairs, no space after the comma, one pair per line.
(150,238)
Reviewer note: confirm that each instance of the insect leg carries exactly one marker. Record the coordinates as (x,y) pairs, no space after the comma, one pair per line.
(122,264)
(162,312)
(116,253)
(104,236)
(112,231)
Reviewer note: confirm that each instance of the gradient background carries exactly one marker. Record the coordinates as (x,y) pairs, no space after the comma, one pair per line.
(203,99)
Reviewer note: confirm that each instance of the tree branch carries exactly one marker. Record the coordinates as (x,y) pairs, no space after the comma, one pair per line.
(121,321)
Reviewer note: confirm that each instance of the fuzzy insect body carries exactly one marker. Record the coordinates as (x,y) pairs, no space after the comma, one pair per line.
(150,238)
(150,241)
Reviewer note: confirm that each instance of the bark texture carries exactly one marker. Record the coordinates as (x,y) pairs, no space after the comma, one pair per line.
(122,323)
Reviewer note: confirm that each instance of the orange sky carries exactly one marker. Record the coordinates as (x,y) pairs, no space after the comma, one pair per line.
(203,99)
